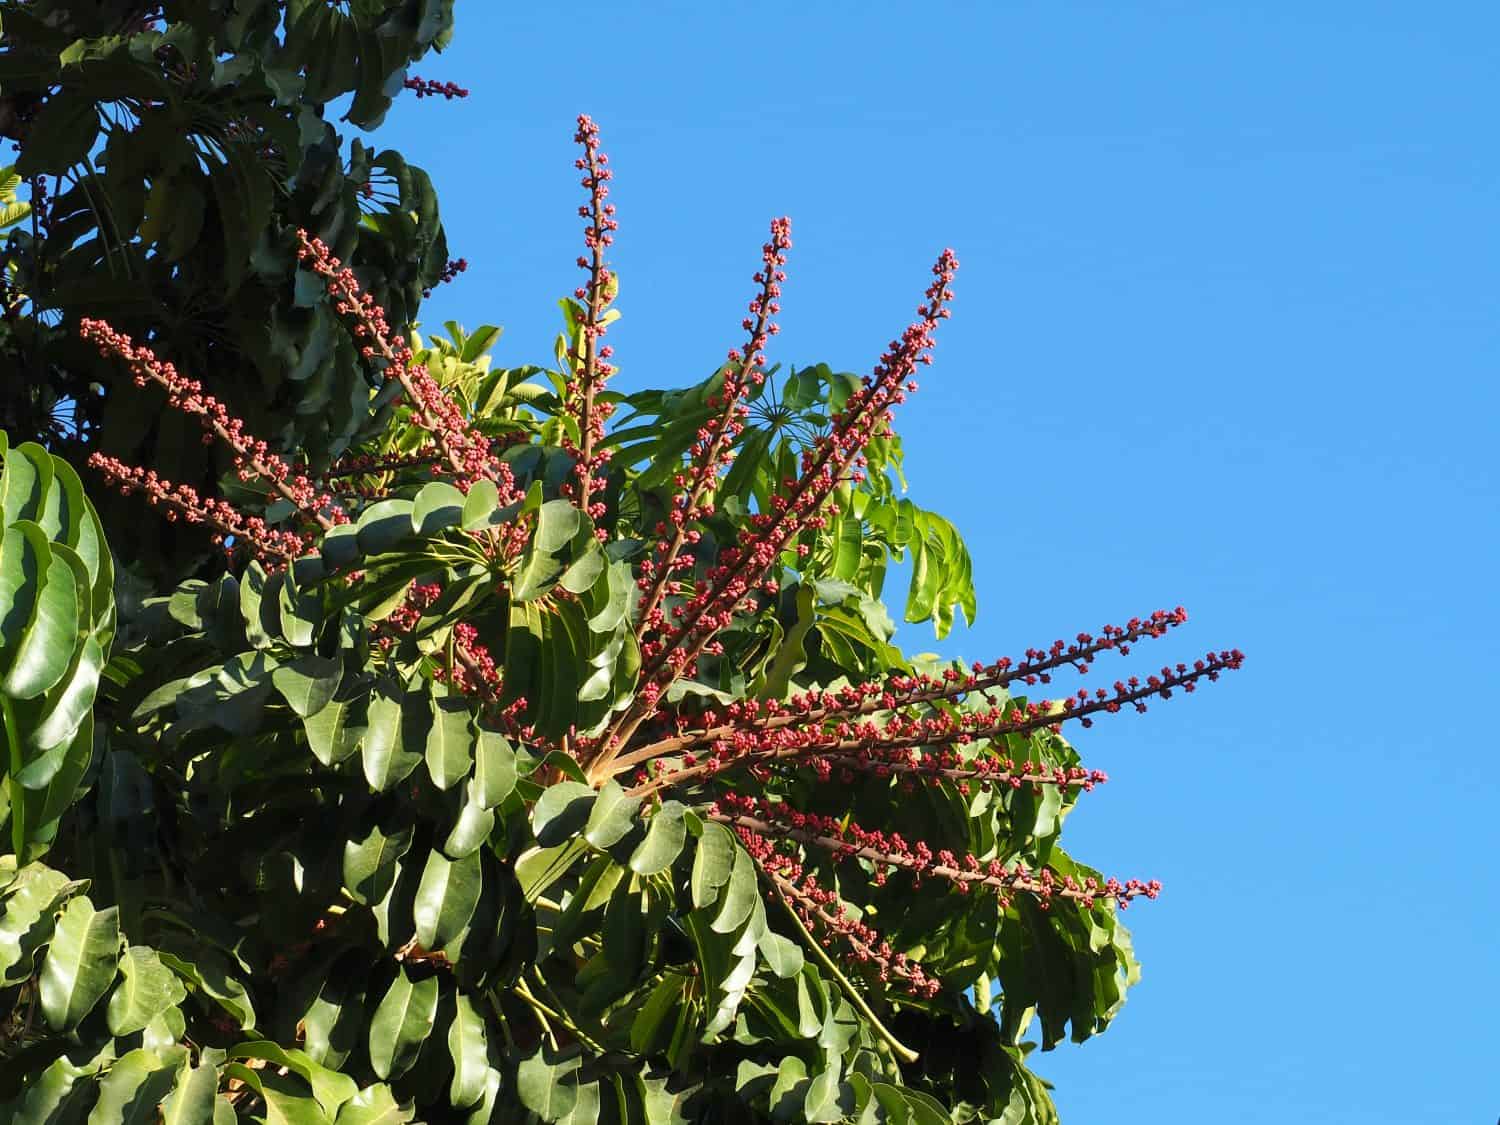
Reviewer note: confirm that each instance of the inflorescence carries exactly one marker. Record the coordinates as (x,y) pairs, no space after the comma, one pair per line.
(950,729)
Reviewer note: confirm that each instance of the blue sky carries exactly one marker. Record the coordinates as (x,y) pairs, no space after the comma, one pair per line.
(1225,335)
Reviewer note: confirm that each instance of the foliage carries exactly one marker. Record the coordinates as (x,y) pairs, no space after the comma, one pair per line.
(171,151)
(524,766)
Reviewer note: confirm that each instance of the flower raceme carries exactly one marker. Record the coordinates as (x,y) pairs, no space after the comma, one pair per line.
(958,732)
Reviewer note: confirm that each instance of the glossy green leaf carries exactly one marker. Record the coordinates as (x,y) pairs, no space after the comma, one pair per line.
(449,741)
(740,894)
(480,504)
(468,1048)
(446,898)
(473,826)
(401,1024)
(665,835)
(329,1087)
(386,758)
(44,648)
(26,921)
(712,863)
(370,864)
(494,768)
(561,812)
(438,506)
(80,963)
(612,816)
(374,1105)
(191,1101)
(134,1087)
(335,731)
(146,989)
(307,684)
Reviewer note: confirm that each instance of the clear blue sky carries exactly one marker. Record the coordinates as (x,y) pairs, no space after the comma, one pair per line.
(1226,335)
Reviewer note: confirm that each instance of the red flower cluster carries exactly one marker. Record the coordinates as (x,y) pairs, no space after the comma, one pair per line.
(232,528)
(713,449)
(466,451)
(252,457)
(831,919)
(432,88)
(845,841)
(591,366)
(451,269)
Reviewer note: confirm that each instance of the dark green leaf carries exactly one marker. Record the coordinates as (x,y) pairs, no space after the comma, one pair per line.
(401,1024)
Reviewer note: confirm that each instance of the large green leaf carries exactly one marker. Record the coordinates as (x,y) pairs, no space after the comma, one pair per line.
(41,649)
(146,989)
(370,864)
(192,1099)
(135,1086)
(449,740)
(446,898)
(80,964)
(468,1048)
(664,839)
(401,1024)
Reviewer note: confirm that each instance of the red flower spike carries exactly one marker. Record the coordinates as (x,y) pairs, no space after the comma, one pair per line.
(252,457)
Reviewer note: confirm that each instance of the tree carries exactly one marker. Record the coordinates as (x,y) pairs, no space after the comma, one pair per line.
(172,151)
(528,764)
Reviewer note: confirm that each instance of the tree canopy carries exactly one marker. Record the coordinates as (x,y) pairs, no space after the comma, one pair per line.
(499,746)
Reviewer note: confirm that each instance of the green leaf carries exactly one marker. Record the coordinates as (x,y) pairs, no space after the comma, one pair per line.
(665,836)
(612,817)
(80,964)
(494,769)
(782,954)
(374,1105)
(134,1087)
(448,741)
(334,732)
(740,894)
(557,521)
(561,812)
(329,1087)
(468,1049)
(473,826)
(480,505)
(44,648)
(446,899)
(370,864)
(192,1100)
(307,684)
(146,989)
(26,920)
(438,506)
(712,864)
(386,759)
(401,1024)
(71,698)
(210,973)
(384,524)
(547,1084)
(60,135)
